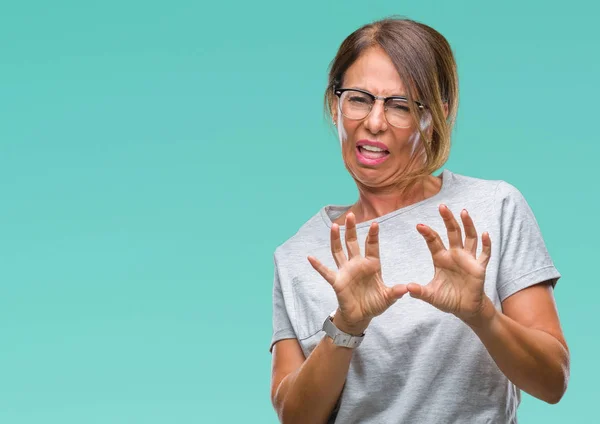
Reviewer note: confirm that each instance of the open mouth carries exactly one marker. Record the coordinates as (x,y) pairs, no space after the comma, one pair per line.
(372,153)
(371,157)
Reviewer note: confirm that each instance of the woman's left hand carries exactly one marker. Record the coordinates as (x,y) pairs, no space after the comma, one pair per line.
(457,285)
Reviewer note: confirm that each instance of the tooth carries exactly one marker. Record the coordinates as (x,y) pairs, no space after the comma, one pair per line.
(372,148)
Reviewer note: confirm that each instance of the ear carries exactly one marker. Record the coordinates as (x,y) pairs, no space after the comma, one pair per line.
(446,110)
(334,109)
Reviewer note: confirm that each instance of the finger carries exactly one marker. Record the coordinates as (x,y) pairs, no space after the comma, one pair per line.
(434,242)
(418,291)
(454,232)
(470,232)
(350,238)
(397,291)
(325,272)
(336,246)
(486,249)
(372,242)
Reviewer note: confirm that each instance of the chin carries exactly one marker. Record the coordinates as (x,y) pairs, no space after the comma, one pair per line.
(369,176)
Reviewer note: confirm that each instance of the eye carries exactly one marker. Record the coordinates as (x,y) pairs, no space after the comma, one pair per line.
(358,99)
(401,107)
(398,105)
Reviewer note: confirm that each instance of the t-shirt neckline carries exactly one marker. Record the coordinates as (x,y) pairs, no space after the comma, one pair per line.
(446,183)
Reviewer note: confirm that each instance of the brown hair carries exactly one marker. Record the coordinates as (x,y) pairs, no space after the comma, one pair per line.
(426,65)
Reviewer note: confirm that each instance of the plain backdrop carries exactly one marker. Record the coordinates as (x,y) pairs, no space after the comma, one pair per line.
(154,154)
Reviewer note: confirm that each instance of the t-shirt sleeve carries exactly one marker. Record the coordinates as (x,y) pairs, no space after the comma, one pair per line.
(282,327)
(523,259)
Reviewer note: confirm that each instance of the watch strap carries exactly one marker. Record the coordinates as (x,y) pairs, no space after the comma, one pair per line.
(339,337)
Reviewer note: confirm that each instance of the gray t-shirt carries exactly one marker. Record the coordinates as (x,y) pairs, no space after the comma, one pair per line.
(416,363)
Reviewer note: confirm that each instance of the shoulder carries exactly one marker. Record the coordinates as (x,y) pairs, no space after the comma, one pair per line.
(313,233)
(462,183)
(495,190)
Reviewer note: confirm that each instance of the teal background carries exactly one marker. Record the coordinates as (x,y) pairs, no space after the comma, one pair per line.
(152,157)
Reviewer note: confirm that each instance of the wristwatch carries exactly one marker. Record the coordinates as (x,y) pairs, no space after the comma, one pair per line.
(339,337)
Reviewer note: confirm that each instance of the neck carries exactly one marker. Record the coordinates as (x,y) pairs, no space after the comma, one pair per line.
(375,203)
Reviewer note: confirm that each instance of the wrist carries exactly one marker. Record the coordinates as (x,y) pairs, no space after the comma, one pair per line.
(484,317)
(354,329)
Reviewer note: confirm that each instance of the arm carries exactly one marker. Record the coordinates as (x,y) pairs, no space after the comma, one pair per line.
(526,341)
(306,391)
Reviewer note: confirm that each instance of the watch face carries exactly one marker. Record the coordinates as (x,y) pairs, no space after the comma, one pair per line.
(339,337)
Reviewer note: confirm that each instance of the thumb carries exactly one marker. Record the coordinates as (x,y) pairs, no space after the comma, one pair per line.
(397,291)
(325,272)
(418,291)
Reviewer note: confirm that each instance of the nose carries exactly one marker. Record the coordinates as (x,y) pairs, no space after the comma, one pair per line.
(375,121)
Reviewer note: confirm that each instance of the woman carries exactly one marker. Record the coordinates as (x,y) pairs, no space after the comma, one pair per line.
(427,327)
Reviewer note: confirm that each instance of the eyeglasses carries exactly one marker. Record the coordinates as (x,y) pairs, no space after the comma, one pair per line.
(357,104)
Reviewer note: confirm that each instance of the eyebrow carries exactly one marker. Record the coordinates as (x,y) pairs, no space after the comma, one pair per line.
(391,95)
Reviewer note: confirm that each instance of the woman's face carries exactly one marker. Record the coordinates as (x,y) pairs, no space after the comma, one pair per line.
(374,71)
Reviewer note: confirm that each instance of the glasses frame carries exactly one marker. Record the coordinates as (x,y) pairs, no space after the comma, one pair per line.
(339,91)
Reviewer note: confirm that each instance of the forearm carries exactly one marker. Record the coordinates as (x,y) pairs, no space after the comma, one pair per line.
(310,393)
(532,359)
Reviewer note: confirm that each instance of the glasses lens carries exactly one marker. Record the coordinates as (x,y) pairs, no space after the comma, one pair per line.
(398,113)
(356,105)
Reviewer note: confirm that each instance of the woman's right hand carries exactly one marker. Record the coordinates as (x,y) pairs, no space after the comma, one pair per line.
(358,285)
